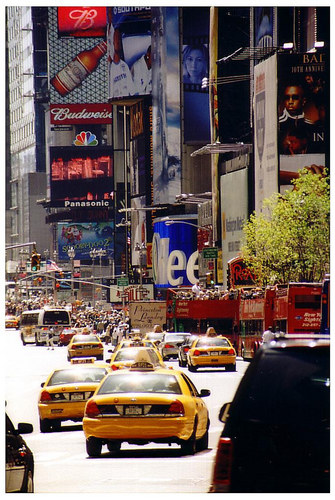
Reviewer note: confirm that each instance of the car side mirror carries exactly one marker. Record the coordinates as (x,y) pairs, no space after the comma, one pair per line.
(224,412)
(108,360)
(204,393)
(24,428)
(42,384)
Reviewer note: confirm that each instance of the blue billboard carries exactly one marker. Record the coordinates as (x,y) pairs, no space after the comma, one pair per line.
(174,252)
(84,237)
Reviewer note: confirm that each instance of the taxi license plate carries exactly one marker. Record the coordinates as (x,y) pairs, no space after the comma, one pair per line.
(77,396)
(214,360)
(214,353)
(133,410)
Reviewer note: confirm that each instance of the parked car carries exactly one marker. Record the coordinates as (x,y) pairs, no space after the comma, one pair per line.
(184,348)
(19,459)
(170,344)
(276,435)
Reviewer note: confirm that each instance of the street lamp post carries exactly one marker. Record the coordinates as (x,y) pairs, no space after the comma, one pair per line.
(46,255)
(141,248)
(71,253)
(101,253)
(93,254)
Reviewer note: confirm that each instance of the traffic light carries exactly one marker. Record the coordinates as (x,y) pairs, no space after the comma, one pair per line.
(210,279)
(35,261)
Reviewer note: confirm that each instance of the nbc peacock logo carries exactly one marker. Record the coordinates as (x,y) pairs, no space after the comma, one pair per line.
(85,139)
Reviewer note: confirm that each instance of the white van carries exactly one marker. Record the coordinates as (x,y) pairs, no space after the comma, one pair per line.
(35,324)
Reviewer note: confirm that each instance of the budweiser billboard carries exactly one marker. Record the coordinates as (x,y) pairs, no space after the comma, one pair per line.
(78,114)
(82,21)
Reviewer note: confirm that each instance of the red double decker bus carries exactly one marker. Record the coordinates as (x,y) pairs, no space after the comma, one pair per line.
(291,308)
(242,315)
(186,313)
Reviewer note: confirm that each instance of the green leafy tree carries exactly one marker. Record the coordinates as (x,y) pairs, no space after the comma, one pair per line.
(290,239)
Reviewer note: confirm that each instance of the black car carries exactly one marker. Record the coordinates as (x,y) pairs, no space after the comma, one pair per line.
(182,359)
(19,459)
(276,437)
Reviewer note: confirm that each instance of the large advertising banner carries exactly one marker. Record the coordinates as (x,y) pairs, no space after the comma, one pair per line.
(263,26)
(166,141)
(234,206)
(195,66)
(81,176)
(265,130)
(174,251)
(77,54)
(302,112)
(84,237)
(129,51)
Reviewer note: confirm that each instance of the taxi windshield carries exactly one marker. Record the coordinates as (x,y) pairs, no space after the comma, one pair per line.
(83,374)
(176,337)
(209,341)
(130,354)
(140,382)
(78,339)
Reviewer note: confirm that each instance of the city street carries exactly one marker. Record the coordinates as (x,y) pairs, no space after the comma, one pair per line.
(61,462)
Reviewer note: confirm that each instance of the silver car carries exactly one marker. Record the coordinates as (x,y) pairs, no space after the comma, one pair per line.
(169,346)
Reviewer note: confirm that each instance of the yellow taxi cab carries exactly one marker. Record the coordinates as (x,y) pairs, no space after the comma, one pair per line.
(11,321)
(84,345)
(134,342)
(215,351)
(65,392)
(123,358)
(145,404)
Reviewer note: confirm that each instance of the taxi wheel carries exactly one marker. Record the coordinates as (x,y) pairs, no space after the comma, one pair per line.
(93,447)
(231,368)
(45,425)
(189,447)
(192,368)
(202,443)
(114,446)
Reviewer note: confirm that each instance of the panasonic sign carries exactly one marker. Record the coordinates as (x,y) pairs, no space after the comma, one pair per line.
(174,253)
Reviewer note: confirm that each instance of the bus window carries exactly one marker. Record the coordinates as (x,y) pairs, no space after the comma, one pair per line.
(56,317)
(29,319)
(307,302)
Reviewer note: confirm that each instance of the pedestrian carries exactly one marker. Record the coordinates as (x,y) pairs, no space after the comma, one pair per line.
(196,289)
(268,335)
(50,339)
(108,334)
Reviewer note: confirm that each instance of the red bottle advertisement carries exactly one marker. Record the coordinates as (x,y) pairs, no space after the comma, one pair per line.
(72,75)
